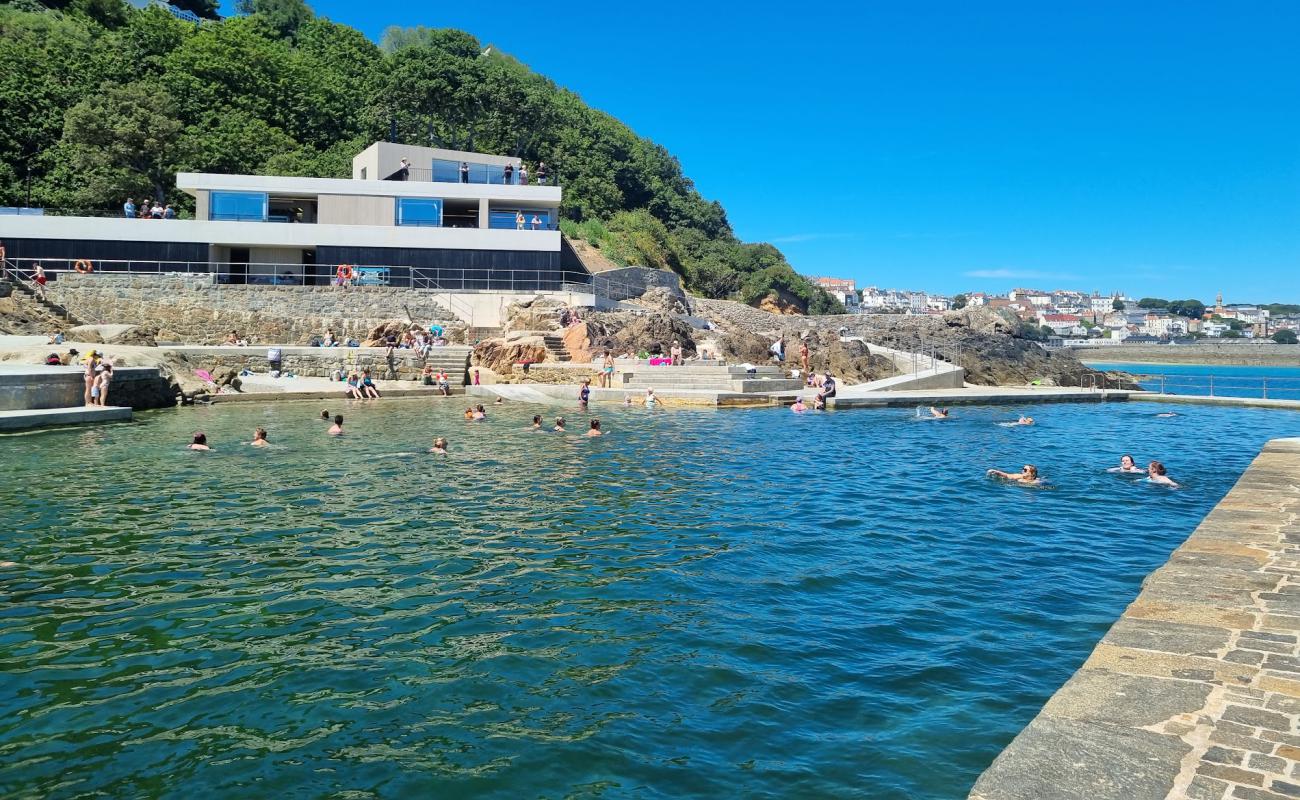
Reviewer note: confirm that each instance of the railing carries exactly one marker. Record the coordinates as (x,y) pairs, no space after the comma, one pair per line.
(1223,385)
(478,175)
(365,275)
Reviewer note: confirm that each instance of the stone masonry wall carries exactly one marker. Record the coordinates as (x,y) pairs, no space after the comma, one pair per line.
(193,310)
(405,365)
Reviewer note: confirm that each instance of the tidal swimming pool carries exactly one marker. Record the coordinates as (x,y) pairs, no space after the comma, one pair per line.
(699,604)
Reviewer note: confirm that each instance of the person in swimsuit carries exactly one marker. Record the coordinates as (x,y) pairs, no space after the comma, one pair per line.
(444,385)
(479,414)
(537,422)
(1027,476)
(559,425)
(650,398)
(1023,421)
(595,428)
(40,279)
(337,428)
(803,355)
(500,401)
(607,370)
(353,390)
(368,385)
(439,446)
(100,389)
(259,438)
(798,406)
(584,394)
(1128,466)
(938,413)
(1156,473)
(325,415)
(469,413)
(92,361)
(199,442)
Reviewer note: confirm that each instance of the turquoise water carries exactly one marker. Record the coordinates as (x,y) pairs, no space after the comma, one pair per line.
(1281,383)
(701,604)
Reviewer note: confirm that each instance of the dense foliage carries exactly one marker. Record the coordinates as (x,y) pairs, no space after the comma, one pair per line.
(102,101)
(1191,309)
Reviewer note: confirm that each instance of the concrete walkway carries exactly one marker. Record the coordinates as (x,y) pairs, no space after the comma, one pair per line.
(857,397)
(1195,691)
(1205,400)
(19,419)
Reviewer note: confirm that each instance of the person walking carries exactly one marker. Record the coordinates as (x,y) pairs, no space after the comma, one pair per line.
(38,275)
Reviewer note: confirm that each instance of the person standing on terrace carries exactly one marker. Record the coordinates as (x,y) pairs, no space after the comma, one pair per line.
(128,208)
(523,174)
(606,370)
(541,173)
(509,173)
(464,172)
(519,220)
(536,222)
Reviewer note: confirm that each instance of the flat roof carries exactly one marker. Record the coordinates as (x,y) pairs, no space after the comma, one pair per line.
(192,182)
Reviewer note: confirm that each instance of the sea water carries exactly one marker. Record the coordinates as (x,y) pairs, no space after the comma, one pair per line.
(746,603)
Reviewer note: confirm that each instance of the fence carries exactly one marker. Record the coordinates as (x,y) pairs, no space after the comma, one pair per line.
(1277,387)
(394,276)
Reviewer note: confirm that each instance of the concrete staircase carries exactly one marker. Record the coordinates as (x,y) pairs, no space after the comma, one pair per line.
(50,308)
(711,378)
(454,359)
(555,346)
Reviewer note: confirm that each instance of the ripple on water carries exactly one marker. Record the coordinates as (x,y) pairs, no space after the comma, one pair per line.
(700,604)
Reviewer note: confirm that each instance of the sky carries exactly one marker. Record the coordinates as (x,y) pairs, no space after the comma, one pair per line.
(1151,147)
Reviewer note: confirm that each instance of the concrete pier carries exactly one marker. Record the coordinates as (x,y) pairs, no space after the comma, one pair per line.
(1195,691)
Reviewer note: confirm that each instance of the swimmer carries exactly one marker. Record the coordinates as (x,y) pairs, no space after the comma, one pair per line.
(1027,476)
(1127,465)
(650,398)
(1022,421)
(938,413)
(1167,414)
(559,425)
(337,428)
(479,414)
(1156,473)
(200,442)
(595,428)
(627,399)
(584,393)
(469,413)
(439,446)
(798,406)
(499,401)
(324,415)
(259,438)
(537,422)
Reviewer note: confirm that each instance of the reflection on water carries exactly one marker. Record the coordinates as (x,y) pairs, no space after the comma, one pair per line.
(746,603)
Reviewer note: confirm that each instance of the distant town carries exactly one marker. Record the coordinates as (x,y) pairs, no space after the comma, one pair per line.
(1067,317)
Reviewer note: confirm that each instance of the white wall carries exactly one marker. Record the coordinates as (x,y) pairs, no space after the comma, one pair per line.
(541,196)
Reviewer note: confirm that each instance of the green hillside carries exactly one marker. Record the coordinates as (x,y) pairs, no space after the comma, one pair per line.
(102,101)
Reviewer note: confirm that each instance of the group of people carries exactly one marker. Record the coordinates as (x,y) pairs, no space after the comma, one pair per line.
(535,223)
(146,211)
(361,386)
(1155,472)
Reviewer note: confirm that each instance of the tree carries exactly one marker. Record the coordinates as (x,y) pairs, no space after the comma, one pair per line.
(1191,309)
(123,141)
(1153,302)
(285,16)
(1286,337)
(1116,304)
(959,302)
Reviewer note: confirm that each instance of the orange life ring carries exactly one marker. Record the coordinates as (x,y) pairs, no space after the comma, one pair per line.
(83,267)
(345,272)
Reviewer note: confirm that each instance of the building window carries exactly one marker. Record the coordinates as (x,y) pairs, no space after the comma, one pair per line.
(449,172)
(243,206)
(421,211)
(363,173)
(532,219)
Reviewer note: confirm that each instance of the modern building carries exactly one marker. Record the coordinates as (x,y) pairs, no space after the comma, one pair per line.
(408,216)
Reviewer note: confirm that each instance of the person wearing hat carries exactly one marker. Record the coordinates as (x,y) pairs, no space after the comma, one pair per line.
(92,362)
(71,358)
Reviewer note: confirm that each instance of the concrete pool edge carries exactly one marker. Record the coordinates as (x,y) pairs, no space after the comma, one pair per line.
(1195,691)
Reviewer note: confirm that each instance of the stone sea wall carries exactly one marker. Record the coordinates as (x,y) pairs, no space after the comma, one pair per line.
(321,362)
(1195,691)
(192,309)
(1238,354)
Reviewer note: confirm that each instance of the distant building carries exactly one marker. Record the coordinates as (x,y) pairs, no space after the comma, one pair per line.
(843,285)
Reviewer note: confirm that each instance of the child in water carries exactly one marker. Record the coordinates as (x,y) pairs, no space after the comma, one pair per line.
(259,438)
(559,424)
(200,442)
(439,446)
(337,428)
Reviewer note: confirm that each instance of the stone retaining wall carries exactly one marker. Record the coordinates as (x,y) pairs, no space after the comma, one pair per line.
(1195,691)
(190,308)
(317,362)
(43,387)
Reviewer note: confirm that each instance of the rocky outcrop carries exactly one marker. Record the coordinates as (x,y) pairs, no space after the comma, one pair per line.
(651,332)
(541,314)
(503,355)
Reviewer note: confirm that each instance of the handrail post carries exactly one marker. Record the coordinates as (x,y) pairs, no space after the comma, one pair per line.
(1265,381)
(1211,385)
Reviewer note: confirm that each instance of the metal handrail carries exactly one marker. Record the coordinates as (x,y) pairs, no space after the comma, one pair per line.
(1216,385)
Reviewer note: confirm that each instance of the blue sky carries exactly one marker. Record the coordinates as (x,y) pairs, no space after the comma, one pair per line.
(1150,147)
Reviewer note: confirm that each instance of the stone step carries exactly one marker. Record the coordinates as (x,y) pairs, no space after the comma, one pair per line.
(40,417)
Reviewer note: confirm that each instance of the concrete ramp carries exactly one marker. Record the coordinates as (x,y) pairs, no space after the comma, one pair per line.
(526,394)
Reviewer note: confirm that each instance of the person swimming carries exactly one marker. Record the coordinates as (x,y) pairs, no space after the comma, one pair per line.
(1027,476)
(199,442)
(595,428)
(938,413)
(439,446)
(1024,421)
(325,415)
(1167,414)
(469,413)
(499,401)
(337,428)
(559,425)
(1127,465)
(479,414)
(798,406)
(1156,473)
(537,422)
(259,438)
